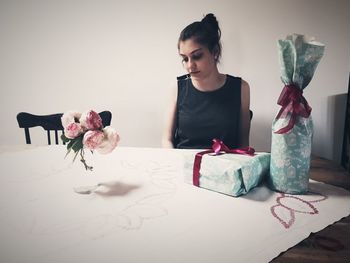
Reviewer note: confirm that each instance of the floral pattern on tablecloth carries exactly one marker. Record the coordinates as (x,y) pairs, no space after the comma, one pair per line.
(287,206)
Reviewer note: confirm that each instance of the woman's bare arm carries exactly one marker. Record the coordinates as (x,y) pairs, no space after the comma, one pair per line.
(245,114)
(169,122)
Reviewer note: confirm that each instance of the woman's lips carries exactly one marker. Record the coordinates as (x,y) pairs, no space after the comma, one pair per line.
(194,72)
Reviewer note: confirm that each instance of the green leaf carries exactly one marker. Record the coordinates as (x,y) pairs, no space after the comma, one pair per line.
(77,144)
(64,138)
(70,144)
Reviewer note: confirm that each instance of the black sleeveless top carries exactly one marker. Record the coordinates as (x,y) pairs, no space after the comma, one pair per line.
(203,116)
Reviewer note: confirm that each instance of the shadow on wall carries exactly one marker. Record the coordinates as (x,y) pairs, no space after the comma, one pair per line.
(336,106)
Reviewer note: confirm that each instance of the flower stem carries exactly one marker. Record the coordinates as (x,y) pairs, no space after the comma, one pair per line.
(87,167)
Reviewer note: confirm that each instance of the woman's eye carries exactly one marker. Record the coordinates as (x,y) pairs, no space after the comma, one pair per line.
(193,57)
(197,56)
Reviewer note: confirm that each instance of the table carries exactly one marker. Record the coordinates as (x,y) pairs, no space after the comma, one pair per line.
(144,212)
(331,244)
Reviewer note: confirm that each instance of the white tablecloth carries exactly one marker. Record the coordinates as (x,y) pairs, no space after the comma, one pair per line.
(144,212)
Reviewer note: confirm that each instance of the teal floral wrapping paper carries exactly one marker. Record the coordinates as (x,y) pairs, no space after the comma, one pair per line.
(231,174)
(292,129)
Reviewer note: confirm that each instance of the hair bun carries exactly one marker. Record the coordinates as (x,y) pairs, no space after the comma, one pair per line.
(211,20)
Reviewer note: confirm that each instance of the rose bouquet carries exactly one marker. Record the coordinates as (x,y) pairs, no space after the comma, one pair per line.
(85,131)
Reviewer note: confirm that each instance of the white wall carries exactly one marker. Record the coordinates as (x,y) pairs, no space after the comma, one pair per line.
(122,56)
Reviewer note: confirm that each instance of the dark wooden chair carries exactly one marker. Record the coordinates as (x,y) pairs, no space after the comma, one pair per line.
(50,123)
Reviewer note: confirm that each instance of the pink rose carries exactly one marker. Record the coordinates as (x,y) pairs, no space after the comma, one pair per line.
(110,141)
(73,130)
(91,120)
(93,139)
(70,117)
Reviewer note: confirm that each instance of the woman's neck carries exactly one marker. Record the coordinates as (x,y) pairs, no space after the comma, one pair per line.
(210,83)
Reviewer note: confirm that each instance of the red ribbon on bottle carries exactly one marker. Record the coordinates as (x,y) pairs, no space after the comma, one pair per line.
(217,147)
(292,101)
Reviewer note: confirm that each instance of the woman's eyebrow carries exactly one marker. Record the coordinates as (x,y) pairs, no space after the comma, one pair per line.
(194,51)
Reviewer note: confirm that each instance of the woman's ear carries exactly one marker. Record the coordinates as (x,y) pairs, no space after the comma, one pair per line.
(216,53)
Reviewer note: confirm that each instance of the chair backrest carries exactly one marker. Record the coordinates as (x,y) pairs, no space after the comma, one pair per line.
(50,122)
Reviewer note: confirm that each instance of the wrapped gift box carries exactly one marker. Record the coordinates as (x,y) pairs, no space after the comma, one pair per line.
(231,174)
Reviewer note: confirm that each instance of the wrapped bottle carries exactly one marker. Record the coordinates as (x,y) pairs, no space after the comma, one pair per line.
(292,128)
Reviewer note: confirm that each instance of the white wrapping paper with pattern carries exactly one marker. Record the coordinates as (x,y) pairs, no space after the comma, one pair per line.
(231,174)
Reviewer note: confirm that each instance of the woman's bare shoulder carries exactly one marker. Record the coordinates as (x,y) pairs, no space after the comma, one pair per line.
(244,84)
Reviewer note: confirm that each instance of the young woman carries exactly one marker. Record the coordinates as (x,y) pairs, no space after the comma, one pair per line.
(206,104)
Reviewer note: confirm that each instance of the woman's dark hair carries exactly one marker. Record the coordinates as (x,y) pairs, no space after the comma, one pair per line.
(206,33)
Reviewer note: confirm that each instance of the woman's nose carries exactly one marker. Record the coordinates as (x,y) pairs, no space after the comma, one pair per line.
(191,65)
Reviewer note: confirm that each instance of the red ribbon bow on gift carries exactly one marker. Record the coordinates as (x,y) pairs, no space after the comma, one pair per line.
(293,102)
(217,147)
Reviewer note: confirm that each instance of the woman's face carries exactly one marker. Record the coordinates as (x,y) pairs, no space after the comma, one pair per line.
(196,58)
